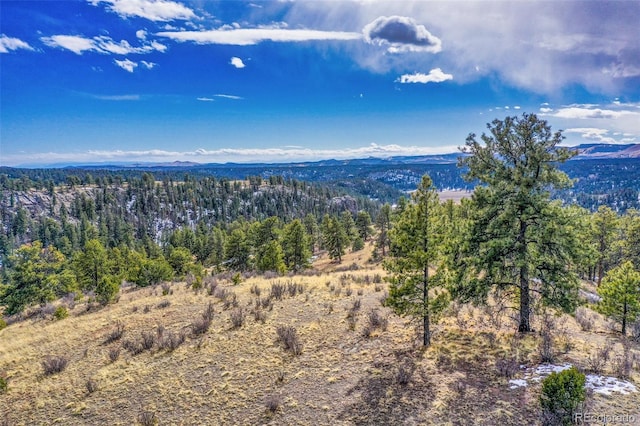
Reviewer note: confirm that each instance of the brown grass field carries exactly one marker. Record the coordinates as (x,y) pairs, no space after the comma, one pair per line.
(244,376)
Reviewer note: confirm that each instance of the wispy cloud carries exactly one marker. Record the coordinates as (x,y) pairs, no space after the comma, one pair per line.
(100,44)
(589,112)
(126,64)
(148,65)
(435,76)
(116,97)
(234,97)
(251,36)
(237,62)
(11,43)
(401,34)
(203,99)
(593,134)
(154,10)
(224,155)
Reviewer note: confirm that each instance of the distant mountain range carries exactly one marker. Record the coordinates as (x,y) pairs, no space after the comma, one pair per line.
(603,150)
(585,152)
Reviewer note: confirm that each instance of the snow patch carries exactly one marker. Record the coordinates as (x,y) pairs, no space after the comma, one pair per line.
(599,384)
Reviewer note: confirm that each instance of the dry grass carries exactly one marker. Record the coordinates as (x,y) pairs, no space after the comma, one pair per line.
(242,375)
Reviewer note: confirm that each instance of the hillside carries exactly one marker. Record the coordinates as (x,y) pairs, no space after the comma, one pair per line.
(232,376)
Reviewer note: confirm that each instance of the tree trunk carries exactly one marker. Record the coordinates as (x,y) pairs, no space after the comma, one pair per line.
(525,308)
(426,336)
(624,318)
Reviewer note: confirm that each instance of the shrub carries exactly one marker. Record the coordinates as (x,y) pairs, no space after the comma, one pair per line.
(91,385)
(54,364)
(171,341)
(237,317)
(507,367)
(230,301)
(166,289)
(147,418)
(259,315)
(114,354)
(562,394)
(289,338)
(115,334)
(4,384)
(255,290)
(3,324)
(202,324)
(348,291)
(164,304)
(277,291)
(148,340)
(61,312)
(598,360)
(236,279)
(273,402)
(584,318)
(132,346)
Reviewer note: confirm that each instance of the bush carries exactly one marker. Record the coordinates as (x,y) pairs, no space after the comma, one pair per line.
(114,354)
(115,334)
(148,340)
(273,402)
(562,394)
(277,291)
(584,318)
(147,418)
(54,364)
(289,338)
(107,289)
(4,385)
(91,385)
(507,367)
(237,317)
(61,312)
(164,304)
(3,324)
(172,341)
(132,346)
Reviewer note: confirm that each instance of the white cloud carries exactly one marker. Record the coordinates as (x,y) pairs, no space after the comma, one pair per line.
(592,133)
(435,76)
(579,112)
(237,62)
(251,36)
(126,64)
(116,97)
(154,10)
(100,44)
(401,34)
(203,99)
(223,155)
(76,44)
(228,96)
(148,65)
(11,43)
(141,34)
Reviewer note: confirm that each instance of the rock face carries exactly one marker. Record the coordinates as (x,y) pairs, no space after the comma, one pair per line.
(345,202)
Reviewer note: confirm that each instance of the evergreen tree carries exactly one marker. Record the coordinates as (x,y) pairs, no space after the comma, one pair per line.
(33,278)
(519,241)
(334,237)
(91,264)
(295,245)
(271,258)
(415,246)
(363,225)
(620,292)
(605,227)
(236,251)
(383,222)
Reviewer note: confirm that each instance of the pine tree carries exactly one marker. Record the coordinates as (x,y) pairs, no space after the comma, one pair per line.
(620,292)
(334,237)
(295,245)
(520,242)
(415,246)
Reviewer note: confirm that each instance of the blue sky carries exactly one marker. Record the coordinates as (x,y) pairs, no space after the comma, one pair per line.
(105,81)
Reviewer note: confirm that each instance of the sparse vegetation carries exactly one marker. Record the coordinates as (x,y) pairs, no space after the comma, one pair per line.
(288,336)
(54,364)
